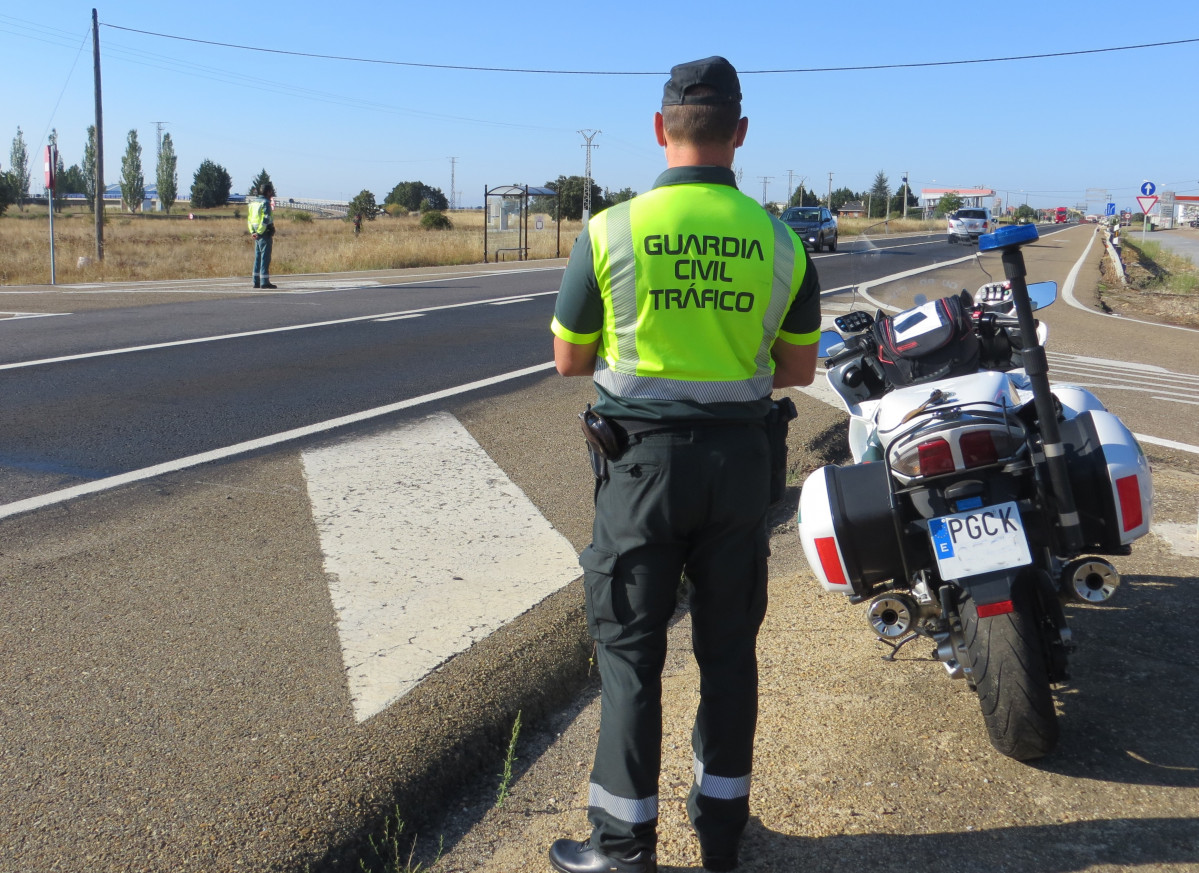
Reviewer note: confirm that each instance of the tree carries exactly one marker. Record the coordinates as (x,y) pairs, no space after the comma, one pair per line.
(133,183)
(611,198)
(569,202)
(1025,213)
(415,196)
(8,190)
(261,181)
(949,202)
(880,196)
(73,181)
(363,204)
(840,197)
(18,161)
(897,200)
(211,186)
(89,167)
(59,171)
(165,176)
(802,196)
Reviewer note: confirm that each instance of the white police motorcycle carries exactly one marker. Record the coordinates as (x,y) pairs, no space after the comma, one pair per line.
(980,497)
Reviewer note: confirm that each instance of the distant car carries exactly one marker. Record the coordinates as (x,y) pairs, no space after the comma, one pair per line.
(969,223)
(815,225)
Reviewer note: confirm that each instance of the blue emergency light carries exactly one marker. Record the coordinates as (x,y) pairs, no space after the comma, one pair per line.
(1012,235)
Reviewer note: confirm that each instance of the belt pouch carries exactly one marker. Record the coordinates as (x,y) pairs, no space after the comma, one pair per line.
(782,411)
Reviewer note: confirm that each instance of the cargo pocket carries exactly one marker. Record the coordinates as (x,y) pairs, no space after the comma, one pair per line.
(599,567)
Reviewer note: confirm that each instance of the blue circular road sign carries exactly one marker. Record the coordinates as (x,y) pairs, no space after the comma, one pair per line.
(1148,188)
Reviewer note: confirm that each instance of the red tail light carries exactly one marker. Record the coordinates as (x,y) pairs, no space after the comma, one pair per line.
(978,448)
(1129,491)
(935,458)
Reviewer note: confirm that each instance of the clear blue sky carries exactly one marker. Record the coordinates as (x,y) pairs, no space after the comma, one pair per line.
(1041,130)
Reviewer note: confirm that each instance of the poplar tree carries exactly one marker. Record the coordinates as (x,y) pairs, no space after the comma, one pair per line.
(89,168)
(133,184)
(165,175)
(18,162)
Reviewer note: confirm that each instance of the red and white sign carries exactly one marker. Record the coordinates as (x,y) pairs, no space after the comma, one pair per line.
(49,155)
(1147,203)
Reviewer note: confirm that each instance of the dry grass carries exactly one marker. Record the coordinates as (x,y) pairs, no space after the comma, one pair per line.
(217,244)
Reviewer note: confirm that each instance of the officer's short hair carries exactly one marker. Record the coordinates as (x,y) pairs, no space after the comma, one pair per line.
(701,123)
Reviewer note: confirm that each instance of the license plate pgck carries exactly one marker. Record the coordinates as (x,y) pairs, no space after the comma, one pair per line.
(979,541)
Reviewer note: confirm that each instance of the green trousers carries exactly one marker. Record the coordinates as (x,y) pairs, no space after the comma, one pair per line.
(687,501)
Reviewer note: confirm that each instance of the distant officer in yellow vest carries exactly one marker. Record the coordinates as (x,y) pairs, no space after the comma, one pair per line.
(262,229)
(687,305)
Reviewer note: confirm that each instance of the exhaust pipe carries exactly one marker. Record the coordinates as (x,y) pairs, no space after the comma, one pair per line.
(892,615)
(1090,580)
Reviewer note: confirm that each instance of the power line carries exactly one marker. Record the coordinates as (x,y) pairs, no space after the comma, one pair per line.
(995,60)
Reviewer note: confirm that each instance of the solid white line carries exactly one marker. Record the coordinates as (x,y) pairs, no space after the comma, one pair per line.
(401,317)
(1177,400)
(55,497)
(1068,294)
(1169,444)
(513,300)
(269,330)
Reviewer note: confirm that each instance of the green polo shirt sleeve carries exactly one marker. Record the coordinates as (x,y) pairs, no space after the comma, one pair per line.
(801,325)
(579,309)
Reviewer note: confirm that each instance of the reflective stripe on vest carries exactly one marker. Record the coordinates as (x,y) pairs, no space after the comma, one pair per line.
(626,809)
(720,787)
(689,315)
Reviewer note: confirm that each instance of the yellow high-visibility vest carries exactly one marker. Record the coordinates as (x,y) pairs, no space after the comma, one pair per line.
(696,280)
(258,215)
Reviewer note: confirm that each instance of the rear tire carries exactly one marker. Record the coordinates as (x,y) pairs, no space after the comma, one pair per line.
(1007,663)
(832,247)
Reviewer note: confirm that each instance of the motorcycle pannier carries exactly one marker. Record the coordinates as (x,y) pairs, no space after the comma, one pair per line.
(936,340)
(1111,481)
(847,529)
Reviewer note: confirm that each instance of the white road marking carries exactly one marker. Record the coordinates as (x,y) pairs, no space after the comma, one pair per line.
(1068,295)
(227,336)
(429,547)
(402,317)
(65,494)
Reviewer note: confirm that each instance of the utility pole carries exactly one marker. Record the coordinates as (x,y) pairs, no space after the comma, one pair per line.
(99,139)
(829,202)
(453,193)
(905,193)
(790,184)
(765,180)
(588,135)
(158,125)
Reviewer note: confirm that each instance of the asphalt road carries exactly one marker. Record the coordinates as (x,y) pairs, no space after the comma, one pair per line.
(174,690)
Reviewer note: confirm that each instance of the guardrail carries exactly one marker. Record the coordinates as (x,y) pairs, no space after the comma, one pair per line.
(327,208)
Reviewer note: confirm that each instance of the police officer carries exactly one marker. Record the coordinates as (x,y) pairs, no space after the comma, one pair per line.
(262,230)
(687,305)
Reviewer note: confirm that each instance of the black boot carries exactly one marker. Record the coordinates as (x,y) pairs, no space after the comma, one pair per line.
(268,286)
(574,856)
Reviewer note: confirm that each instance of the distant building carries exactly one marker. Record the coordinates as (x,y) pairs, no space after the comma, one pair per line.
(852,209)
(930,197)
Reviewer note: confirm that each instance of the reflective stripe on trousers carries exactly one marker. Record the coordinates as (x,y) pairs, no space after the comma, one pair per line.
(720,787)
(626,809)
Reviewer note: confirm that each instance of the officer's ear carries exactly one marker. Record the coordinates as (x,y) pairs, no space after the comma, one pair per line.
(742,129)
(660,129)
